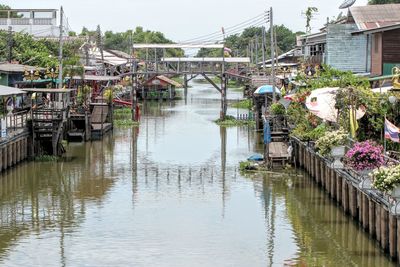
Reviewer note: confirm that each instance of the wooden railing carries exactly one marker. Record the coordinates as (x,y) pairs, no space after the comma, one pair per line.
(17,120)
(42,21)
(48,114)
(278,123)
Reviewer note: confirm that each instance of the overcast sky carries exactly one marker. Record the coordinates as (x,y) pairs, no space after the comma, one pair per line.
(182,19)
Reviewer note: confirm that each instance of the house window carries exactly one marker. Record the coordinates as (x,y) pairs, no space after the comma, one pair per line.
(318,49)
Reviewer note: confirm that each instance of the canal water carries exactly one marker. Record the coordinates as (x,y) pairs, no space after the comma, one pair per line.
(169,193)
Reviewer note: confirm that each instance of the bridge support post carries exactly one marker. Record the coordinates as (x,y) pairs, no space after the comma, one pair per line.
(185,86)
(134,97)
(223,97)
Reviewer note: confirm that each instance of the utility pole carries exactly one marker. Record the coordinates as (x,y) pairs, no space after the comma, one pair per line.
(256,51)
(135,116)
(10,43)
(263,47)
(271,21)
(60,54)
(276,50)
(100,45)
(251,51)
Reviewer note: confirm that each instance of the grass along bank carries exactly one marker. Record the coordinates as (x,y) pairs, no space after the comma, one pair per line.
(243,104)
(123,118)
(231,121)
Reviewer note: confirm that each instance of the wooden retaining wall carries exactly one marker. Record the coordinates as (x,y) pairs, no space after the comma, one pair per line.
(13,151)
(370,211)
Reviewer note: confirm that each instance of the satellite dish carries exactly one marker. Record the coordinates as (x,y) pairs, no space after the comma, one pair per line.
(347,4)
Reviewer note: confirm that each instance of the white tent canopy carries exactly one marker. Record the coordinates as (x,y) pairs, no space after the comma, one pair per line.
(322,103)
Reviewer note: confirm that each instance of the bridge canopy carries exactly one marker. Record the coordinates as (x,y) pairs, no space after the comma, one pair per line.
(207,59)
(182,46)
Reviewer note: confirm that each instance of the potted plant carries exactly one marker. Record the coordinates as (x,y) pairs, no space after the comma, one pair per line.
(364,157)
(332,143)
(387,179)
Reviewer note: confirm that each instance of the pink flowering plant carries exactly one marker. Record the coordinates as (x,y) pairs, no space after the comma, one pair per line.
(365,155)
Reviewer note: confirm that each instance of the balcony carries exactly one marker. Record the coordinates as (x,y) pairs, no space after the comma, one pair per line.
(20,21)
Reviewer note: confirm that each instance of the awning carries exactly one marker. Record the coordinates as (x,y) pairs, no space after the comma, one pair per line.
(97,78)
(7,91)
(47,90)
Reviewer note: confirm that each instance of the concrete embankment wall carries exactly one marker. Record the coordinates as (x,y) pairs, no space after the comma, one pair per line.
(14,150)
(368,207)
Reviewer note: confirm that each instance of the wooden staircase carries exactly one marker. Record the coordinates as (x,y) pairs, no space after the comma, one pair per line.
(48,128)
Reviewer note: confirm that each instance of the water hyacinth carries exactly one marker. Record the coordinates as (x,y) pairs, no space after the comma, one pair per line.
(365,155)
(386,178)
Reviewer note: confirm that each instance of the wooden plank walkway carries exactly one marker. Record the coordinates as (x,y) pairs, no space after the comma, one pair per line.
(278,153)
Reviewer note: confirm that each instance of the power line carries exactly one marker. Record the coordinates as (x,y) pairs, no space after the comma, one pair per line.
(230,33)
(264,16)
(214,39)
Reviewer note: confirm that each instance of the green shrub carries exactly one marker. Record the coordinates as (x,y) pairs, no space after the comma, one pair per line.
(277,109)
(329,140)
(231,121)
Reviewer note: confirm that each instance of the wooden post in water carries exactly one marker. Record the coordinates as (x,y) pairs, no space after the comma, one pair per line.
(223,86)
(384,229)
(398,239)
(185,86)
(371,218)
(378,222)
(5,157)
(365,211)
(345,196)
(392,236)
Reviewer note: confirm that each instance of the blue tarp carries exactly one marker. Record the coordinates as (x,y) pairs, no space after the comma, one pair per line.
(267,132)
(256,157)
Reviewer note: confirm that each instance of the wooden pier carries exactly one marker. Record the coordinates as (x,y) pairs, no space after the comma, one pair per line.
(79,128)
(49,120)
(101,119)
(372,209)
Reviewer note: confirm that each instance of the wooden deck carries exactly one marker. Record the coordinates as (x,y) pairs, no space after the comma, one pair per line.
(278,154)
(98,130)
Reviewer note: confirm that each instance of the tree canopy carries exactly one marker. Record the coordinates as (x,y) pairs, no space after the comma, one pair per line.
(37,52)
(123,41)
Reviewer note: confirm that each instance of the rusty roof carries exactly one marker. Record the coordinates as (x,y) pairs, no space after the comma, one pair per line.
(16,68)
(170,81)
(375,16)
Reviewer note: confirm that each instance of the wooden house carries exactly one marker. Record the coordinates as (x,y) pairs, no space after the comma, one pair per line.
(159,88)
(11,74)
(49,115)
(366,41)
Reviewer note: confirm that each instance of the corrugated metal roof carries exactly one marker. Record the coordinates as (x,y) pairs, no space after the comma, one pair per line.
(97,78)
(168,80)
(207,59)
(6,91)
(375,16)
(17,68)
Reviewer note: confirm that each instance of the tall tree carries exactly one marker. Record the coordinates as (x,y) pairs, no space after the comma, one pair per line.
(309,16)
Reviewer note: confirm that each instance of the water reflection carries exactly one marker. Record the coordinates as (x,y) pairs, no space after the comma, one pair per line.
(38,197)
(323,234)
